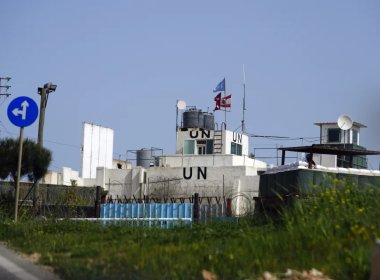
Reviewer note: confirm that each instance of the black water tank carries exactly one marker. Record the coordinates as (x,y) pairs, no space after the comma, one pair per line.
(209,121)
(193,118)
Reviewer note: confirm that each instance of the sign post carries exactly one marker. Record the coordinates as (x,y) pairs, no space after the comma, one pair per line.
(22,112)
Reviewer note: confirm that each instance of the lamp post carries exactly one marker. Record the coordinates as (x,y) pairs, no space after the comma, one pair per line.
(44,92)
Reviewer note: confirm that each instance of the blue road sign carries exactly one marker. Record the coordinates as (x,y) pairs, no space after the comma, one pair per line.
(22,111)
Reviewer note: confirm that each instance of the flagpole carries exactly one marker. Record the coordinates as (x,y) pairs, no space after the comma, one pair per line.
(176,119)
(243,121)
(225,109)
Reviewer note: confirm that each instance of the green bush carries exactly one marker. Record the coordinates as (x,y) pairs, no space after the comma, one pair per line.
(332,230)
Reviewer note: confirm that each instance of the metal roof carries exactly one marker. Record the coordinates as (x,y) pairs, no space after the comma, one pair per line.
(335,123)
(323,149)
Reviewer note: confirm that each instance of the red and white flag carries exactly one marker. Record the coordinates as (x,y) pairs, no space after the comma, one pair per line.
(222,102)
(218,100)
(226,102)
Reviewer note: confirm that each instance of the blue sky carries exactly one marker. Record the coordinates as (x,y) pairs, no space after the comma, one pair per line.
(123,65)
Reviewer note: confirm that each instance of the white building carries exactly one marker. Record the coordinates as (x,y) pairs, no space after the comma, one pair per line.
(207,161)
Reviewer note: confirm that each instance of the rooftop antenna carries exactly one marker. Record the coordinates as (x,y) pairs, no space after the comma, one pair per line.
(345,123)
(244,108)
(6,87)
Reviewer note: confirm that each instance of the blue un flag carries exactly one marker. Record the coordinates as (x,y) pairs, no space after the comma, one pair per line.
(221,86)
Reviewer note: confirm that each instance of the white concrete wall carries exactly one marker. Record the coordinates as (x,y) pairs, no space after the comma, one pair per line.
(177,181)
(245,189)
(235,137)
(124,164)
(232,182)
(192,134)
(66,176)
(240,183)
(52,178)
(120,181)
(325,160)
(228,137)
(210,160)
(97,149)
(185,181)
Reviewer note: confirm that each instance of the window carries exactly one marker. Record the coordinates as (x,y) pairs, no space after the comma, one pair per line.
(205,147)
(188,147)
(201,147)
(210,147)
(333,135)
(236,149)
(355,137)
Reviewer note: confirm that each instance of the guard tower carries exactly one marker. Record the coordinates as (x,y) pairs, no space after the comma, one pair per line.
(339,146)
(343,134)
(332,134)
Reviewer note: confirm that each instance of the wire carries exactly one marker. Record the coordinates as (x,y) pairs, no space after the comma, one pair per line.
(6,130)
(64,144)
(272,137)
(2,103)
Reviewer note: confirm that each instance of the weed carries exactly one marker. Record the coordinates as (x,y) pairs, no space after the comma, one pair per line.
(332,230)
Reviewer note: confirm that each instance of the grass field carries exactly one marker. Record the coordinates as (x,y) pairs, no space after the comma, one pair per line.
(334,231)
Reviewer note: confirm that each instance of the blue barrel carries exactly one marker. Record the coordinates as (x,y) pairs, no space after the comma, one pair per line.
(175,210)
(117,210)
(140,210)
(122,210)
(170,210)
(111,213)
(134,210)
(181,211)
(189,210)
(128,210)
(152,210)
(158,210)
(103,212)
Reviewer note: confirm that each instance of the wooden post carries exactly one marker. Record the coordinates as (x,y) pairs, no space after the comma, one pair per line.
(98,201)
(196,207)
(283,157)
(229,207)
(18,172)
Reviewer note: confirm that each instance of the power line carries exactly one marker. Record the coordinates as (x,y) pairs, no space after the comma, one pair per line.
(6,130)
(273,137)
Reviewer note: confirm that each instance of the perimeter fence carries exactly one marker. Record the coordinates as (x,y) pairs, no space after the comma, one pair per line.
(54,200)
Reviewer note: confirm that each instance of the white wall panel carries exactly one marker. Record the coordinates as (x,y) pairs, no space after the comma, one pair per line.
(97,149)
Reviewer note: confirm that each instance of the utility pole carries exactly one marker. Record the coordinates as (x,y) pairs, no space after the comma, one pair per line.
(41,120)
(44,92)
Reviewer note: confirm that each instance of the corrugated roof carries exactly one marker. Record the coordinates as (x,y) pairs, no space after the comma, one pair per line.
(324,149)
(335,123)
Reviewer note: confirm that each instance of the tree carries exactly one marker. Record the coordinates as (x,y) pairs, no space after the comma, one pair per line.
(35,159)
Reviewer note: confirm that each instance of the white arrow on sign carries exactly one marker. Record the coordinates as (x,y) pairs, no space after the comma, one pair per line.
(17,111)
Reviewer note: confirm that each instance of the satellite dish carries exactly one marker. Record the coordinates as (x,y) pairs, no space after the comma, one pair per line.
(345,122)
(181,105)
